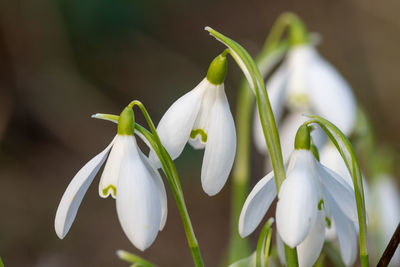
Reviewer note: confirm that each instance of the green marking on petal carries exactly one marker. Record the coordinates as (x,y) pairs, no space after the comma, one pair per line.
(328,222)
(112,187)
(299,99)
(320,204)
(201,132)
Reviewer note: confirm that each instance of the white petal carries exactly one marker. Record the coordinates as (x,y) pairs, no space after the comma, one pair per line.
(257,204)
(298,61)
(346,233)
(298,200)
(310,249)
(75,191)
(220,148)
(160,186)
(331,158)
(109,178)
(330,95)
(176,125)
(340,191)
(138,202)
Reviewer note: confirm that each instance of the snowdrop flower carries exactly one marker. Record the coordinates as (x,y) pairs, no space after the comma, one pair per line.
(307,83)
(310,198)
(202,117)
(130,179)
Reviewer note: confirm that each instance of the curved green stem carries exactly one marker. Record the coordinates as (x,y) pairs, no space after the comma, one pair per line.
(348,154)
(239,247)
(279,28)
(253,75)
(173,179)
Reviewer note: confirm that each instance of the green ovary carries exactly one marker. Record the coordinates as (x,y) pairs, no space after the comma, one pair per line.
(201,132)
(113,188)
(299,100)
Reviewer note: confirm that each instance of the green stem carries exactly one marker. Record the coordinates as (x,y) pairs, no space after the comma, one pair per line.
(348,154)
(291,256)
(240,247)
(279,28)
(252,73)
(173,179)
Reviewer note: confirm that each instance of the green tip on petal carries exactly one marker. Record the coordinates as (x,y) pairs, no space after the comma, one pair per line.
(302,140)
(217,70)
(315,152)
(126,122)
(298,34)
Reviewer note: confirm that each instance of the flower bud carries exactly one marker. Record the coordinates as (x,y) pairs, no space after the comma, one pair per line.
(302,139)
(217,70)
(126,122)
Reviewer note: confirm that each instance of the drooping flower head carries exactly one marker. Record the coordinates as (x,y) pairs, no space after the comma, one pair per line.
(310,198)
(130,179)
(203,117)
(307,83)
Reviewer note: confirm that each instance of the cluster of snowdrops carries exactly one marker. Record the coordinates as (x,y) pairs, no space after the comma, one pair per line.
(315,174)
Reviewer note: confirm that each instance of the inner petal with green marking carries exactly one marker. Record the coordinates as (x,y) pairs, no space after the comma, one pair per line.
(110,190)
(320,204)
(198,138)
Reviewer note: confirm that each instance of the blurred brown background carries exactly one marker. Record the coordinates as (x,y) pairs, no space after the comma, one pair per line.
(61,61)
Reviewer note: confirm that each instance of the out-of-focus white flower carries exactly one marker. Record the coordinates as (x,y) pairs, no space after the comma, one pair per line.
(384,210)
(310,197)
(129,178)
(306,83)
(203,117)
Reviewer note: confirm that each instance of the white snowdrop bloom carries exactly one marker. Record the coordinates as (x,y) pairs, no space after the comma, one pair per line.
(203,117)
(307,83)
(311,197)
(129,178)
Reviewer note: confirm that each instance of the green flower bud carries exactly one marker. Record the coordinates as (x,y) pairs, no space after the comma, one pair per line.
(303,139)
(126,122)
(217,70)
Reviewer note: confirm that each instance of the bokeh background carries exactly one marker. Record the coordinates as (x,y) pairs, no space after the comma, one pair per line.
(63,60)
